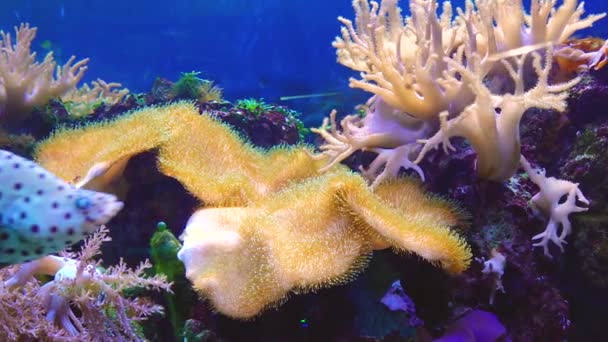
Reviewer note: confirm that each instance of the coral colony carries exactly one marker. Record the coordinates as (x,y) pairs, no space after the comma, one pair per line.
(271,222)
(290,219)
(435,77)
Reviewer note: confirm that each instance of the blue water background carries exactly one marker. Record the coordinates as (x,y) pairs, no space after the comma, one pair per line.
(251,48)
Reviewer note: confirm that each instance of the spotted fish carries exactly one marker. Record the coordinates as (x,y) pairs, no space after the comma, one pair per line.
(41,214)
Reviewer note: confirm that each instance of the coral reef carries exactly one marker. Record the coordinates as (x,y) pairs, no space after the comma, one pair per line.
(491,83)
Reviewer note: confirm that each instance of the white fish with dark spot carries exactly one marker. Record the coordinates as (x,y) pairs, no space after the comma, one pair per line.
(41,214)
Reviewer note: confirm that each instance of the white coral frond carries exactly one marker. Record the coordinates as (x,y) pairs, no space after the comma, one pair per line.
(547,200)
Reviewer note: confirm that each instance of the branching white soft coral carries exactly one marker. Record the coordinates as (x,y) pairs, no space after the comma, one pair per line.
(549,201)
(491,123)
(403,61)
(384,130)
(402,64)
(389,162)
(26,83)
(453,75)
(503,25)
(79,283)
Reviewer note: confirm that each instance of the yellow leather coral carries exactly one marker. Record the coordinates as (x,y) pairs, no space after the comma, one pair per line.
(313,234)
(95,155)
(206,156)
(272,223)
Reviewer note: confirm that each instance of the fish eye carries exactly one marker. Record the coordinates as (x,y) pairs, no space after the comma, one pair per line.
(83,203)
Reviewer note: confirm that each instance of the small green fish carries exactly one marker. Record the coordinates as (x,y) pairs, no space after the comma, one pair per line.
(41,214)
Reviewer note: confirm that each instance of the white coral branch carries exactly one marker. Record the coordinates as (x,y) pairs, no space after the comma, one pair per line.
(547,200)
